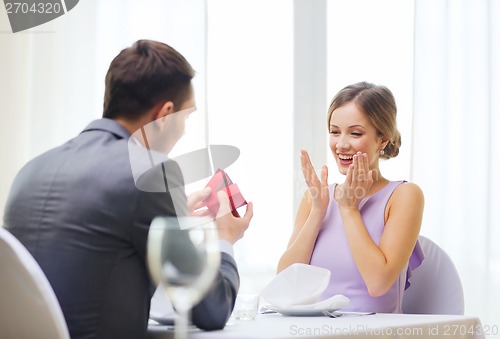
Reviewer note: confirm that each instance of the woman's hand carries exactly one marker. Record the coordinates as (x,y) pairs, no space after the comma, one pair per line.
(358,181)
(310,215)
(318,189)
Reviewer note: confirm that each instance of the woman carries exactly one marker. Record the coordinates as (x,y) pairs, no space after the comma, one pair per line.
(364,230)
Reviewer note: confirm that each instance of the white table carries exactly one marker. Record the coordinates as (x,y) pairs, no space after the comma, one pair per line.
(276,326)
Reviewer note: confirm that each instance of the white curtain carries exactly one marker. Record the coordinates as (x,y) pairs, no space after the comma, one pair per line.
(46,86)
(456,140)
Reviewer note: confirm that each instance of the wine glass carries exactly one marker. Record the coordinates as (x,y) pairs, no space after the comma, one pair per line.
(184,256)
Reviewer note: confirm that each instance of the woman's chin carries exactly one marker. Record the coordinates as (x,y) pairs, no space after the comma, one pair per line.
(342,169)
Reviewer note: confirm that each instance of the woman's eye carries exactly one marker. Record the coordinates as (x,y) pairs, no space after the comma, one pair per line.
(335,132)
(356,134)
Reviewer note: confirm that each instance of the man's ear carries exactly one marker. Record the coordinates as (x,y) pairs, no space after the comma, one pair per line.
(163,110)
(161,113)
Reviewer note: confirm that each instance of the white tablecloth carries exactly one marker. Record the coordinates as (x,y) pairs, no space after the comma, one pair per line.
(276,326)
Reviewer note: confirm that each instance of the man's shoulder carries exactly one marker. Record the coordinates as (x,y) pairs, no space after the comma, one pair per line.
(110,129)
(87,155)
(109,126)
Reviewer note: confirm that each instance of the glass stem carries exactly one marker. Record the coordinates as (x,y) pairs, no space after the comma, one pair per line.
(181,323)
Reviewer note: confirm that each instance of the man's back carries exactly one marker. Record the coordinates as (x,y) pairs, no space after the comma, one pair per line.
(78,212)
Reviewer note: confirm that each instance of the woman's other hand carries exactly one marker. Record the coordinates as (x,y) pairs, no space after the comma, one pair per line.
(318,189)
(358,181)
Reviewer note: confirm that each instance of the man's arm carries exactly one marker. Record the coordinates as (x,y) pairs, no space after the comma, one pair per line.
(215,309)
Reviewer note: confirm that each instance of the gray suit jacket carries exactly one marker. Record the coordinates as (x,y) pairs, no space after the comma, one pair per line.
(77,210)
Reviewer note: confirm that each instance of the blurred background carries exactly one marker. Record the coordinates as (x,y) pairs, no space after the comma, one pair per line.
(266,71)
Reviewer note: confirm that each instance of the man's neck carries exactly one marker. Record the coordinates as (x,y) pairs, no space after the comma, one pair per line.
(131,126)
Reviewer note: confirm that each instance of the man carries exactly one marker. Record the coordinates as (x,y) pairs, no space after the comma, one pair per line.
(78,211)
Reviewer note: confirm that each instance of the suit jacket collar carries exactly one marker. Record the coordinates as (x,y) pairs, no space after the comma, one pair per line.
(108,125)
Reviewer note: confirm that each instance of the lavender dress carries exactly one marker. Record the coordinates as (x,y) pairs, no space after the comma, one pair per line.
(332,252)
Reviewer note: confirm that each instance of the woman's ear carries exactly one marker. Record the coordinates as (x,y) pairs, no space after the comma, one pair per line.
(383,142)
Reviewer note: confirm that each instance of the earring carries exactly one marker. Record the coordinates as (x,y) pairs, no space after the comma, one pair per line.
(381,152)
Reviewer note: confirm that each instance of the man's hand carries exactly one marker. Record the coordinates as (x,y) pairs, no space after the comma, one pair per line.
(231,228)
(195,202)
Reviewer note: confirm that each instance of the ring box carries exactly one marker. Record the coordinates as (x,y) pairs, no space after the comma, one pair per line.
(221,181)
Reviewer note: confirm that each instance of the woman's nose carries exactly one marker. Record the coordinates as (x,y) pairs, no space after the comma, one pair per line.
(342,143)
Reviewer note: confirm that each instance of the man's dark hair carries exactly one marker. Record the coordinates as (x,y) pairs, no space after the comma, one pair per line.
(144,75)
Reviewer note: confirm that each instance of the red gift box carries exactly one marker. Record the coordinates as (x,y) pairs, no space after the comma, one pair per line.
(221,181)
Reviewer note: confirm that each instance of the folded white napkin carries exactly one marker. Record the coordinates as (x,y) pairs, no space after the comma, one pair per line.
(300,286)
(335,302)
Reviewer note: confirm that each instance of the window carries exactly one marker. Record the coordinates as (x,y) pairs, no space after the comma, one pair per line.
(250,96)
(373,41)
(250,82)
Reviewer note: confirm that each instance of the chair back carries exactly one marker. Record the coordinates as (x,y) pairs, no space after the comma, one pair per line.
(28,305)
(435,287)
